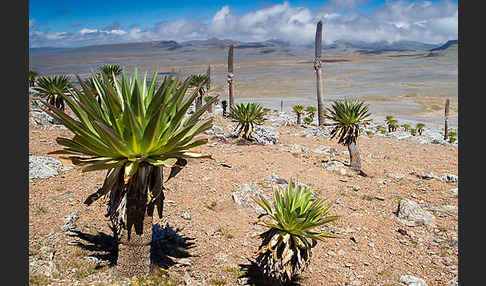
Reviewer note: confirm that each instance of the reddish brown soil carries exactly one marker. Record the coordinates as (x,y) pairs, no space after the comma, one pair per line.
(218,226)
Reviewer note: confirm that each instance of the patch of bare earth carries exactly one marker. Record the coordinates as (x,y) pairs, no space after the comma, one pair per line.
(369,251)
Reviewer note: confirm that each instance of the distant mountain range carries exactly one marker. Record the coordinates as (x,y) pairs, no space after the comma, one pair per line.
(449,44)
(358,46)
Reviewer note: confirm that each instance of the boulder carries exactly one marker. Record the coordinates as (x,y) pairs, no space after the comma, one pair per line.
(244,192)
(40,117)
(411,211)
(265,135)
(43,167)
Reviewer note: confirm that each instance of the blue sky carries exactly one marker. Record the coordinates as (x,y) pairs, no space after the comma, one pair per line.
(78,23)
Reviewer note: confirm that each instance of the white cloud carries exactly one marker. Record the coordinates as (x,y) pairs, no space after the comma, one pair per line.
(425,21)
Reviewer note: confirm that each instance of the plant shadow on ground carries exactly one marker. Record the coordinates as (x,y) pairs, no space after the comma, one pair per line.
(105,246)
(166,245)
(255,276)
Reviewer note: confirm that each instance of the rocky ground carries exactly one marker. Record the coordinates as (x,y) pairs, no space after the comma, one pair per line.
(398,226)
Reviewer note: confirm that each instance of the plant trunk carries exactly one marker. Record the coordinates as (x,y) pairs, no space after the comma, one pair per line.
(355,160)
(134,253)
(136,237)
(298,119)
(199,102)
(230,75)
(317,67)
(446,115)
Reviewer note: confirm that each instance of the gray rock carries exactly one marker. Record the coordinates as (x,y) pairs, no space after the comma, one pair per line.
(242,196)
(411,211)
(396,175)
(43,167)
(40,117)
(335,166)
(449,178)
(325,150)
(424,175)
(317,131)
(185,215)
(265,135)
(439,141)
(297,149)
(214,129)
(412,280)
(453,282)
(70,223)
(455,192)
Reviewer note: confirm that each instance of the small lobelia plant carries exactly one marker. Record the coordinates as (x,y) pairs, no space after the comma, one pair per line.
(311,111)
(406,127)
(196,81)
(224,105)
(136,132)
(391,123)
(32,77)
(298,109)
(420,128)
(247,115)
(111,71)
(294,216)
(54,88)
(413,131)
(307,120)
(347,117)
(452,136)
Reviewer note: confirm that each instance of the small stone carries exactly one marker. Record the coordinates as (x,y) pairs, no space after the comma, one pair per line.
(226,165)
(184,261)
(185,215)
(356,188)
(348,265)
(371,244)
(449,178)
(341,252)
(413,195)
(412,280)
(455,192)
(402,231)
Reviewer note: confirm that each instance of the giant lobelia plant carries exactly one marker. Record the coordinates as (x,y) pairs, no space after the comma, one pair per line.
(134,131)
(292,231)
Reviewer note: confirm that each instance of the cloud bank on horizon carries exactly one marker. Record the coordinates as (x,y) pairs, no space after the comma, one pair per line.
(395,20)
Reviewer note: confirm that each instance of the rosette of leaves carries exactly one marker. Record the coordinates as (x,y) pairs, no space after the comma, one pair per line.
(307,120)
(420,128)
(247,115)
(347,116)
(298,109)
(452,136)
(406,127)
(311,111)
(54,88)
(111,71)
(135,132)
(294,219)
(32,77)
(196,81)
